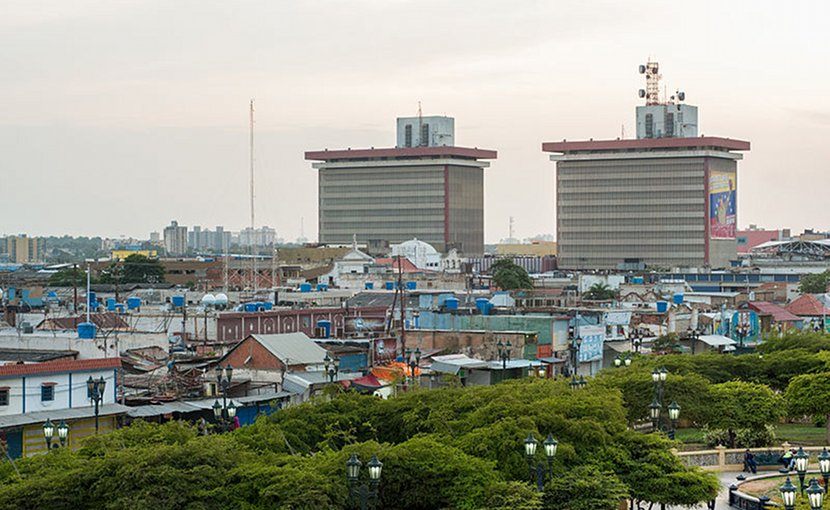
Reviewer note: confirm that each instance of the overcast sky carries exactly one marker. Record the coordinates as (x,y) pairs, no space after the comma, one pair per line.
(116,117)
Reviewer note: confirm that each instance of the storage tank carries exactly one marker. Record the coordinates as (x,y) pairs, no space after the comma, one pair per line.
(208,300)
(111,304)
(325,326)
(678,299)
(481,305)
(368,285)
(221,299)
(452,303)
(250,307)
(322,287)
(178,301)
(662,306)
(305,287)
(411,285)
(133,303)
(86,330)
(390,285)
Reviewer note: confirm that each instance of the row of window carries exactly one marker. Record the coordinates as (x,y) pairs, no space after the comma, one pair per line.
(47,393)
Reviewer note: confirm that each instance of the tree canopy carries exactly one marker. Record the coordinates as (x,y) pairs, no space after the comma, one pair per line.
(600,292)
(509,276)
(814,283)
(453,448)
(135,268)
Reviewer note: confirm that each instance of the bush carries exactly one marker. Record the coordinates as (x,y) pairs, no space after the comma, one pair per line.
(744,438)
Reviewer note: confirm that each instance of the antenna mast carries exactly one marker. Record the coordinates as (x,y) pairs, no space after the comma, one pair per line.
(652,91)
(253,231)
(510,231)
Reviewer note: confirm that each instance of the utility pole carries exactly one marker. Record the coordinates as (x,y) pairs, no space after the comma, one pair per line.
(253,232)
(75,294)
(403,306)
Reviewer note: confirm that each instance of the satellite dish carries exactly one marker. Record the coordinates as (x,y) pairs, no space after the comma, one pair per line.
(642,93)
(642,69)
(681,96)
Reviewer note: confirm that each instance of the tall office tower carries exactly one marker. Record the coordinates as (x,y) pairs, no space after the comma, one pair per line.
(425,188)
(667,198)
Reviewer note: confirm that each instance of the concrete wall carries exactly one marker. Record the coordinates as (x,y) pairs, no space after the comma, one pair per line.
(69,391)
(476,344)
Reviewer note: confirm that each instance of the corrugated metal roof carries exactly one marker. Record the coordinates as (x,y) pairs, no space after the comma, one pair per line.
(76,413)
(293,348)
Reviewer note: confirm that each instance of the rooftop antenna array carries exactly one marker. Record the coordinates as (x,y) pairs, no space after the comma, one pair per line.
(652,91)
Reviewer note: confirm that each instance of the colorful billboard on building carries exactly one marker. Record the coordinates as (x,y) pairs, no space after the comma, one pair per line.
(722,205)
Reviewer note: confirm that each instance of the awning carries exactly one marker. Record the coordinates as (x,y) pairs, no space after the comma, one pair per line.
(717,340)
(453,363)
(551,360)
(75,413)
(620,347)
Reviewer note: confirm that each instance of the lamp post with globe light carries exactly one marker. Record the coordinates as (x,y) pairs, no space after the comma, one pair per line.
(541,470)
(49,433)
(365,494)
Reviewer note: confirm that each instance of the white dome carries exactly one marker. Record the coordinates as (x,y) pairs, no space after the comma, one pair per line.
(220,299)
(208,299)
(416,246)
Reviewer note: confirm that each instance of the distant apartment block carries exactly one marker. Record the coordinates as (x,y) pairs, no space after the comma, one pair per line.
(22,249)
(175,239)
(754,236)
(425,188)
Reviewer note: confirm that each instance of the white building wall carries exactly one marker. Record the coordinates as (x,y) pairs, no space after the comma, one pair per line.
(63,389)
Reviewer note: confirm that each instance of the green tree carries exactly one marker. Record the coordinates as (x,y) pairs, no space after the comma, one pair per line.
(69,277)
(814,283)
(600,292)
(742,405)
(585,488)
(809,394)
(510,276)
(134,269)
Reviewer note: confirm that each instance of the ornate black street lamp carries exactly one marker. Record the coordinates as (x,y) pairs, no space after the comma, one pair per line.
(674,415)
(541,470)
(49,433)
(636,337)
(788,494)
(801,459)
(619,361)
(504,353)
(824,465)
(224,412)
(332,367)
(693,335)
(742,331)
(366,495)
(815,495)
(414,361)
(574,346)
(95,392)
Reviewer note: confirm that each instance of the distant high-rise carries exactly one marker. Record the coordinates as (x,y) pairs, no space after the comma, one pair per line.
(175,239)
(425,188)
(666,199)
(22,249)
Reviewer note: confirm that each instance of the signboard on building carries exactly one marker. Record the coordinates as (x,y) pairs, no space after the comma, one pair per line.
(593,338)
(722,205)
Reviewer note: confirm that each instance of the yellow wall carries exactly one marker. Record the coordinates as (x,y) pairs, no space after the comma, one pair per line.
(539,249)
(123,254)
(34,443)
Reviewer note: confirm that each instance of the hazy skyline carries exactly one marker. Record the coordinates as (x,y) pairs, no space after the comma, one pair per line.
(117,117)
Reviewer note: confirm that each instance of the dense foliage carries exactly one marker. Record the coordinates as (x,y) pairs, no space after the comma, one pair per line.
(451,448)
(510,276)
(814,283)
(599,292)
(135,268)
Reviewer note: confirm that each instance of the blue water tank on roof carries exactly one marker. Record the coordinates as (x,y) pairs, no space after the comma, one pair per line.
(390,285)
(678,299)
(250,307)
(369,285)
(325,325)
(86,330)
(178,301)
(133,303)
(411,285)
(322,287)
(662,306)
(305,287)
(111,304)
(451,303)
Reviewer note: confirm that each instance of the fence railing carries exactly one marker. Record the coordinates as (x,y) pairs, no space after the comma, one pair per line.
(721,458)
